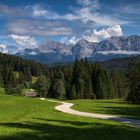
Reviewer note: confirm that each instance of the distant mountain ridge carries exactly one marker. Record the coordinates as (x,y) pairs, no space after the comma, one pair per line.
(54,52)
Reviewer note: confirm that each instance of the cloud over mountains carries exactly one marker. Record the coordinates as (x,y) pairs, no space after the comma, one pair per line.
(94,20)
(104,33)
(25,41)
(96,35)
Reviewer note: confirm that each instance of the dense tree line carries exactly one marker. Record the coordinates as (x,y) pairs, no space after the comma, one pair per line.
(134,82)
(88,81)
(82,80)
(16,73)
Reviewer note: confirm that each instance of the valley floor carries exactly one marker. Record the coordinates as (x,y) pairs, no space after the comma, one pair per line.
(66,108)
(117,107)
(32,119)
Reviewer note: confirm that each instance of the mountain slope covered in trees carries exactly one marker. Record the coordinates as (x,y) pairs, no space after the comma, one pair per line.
(83,80)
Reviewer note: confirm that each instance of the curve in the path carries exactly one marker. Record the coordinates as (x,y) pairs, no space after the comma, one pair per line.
(66,108)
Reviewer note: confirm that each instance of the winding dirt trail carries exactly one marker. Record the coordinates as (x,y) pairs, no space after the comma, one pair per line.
(66,108)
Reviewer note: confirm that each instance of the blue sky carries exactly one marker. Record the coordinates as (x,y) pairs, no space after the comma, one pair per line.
(27,23)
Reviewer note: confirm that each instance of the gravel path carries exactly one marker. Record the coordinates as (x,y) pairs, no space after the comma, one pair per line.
(66,108)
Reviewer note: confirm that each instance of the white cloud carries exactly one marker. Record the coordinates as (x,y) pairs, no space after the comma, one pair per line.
(9,11)
(62,30)
(89,3)
(72,40)
(59,31)
(39,11)
(98,35)
(63,40)
(133,8)
(87,15)
(89,12)
(3,48)
(25,41)
(69,17)
(38,28)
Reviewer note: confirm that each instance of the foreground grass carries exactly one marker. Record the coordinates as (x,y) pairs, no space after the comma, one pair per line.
(32,119)
(114,107)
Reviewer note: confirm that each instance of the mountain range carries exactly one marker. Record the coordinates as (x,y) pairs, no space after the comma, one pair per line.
(50,52)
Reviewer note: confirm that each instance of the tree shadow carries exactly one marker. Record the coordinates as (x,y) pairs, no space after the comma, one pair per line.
(74,123)
(133,112)
(47,131)
(112,102)
(118,102)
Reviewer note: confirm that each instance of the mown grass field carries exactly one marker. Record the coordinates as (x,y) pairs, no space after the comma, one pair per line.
(32,119)
(114,107)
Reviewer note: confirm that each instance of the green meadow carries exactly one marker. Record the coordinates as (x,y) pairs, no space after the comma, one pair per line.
(32,119)
(116,107)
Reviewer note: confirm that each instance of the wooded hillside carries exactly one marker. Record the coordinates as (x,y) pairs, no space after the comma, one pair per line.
(82,80)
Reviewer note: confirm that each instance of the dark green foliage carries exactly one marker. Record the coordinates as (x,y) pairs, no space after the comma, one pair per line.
(119,82)
(11,66)
(27,74)
(21,77)
(58,89)
(88,89)
(101,82)
(83,80)
(42,86)
(1,80)
(73,94)
(14,90)
(134,81)
(86,81)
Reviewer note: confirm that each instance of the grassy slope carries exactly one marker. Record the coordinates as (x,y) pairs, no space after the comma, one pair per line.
(114,106)
(32,119)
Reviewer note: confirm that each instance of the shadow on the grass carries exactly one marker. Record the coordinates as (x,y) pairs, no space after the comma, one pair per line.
(133,112)
(74,123)
(48,131)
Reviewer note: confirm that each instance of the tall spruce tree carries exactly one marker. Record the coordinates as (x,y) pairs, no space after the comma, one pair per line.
(119,84)
(27,74)
(101,82)
(58,89)
(134,81)
(73,94)
(42,86)
(1,80)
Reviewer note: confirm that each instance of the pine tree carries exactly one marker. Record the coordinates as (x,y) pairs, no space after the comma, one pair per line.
(101,82)
(58,89)
(13,79)
(68,80)
(80,89)
(134,79)
(119,84)
(88,93)
(73,94)
(27,74)
(21,77)
(100,88)
(42,86)
(1,80)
